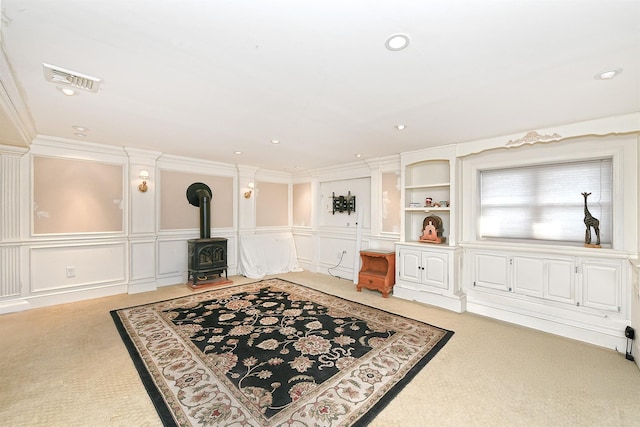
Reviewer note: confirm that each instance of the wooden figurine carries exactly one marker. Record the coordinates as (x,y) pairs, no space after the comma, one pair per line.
(432,230)
(590,221)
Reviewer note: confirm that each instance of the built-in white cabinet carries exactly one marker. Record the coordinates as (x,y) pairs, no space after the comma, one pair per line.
(491,271)
(429,272)
(426,273)
(584,282)
(601,284)
(572,292)
(559,280)
(552,279)
(424,267)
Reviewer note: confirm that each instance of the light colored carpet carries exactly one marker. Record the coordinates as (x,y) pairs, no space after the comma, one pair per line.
(67,366)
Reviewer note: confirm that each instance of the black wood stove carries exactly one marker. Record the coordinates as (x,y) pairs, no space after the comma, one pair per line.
(207,255)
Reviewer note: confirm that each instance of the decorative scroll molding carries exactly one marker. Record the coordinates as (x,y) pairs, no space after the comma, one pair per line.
(607,126)
(531,138)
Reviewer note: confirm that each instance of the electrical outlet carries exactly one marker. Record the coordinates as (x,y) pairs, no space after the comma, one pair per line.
(71,272)
(630,333)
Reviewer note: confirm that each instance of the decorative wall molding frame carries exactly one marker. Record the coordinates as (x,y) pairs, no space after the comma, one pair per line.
(64,266)
(186,164)
(344,172)
(9,150)
(385,164)
(80,150)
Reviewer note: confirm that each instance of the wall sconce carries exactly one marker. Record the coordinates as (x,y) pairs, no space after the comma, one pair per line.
(144,175)
(247,194)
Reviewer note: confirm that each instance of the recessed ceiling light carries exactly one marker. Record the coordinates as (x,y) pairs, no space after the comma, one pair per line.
(397,42)
(401,127)
(237,152)
(78,134)
(358,155)
(80,128)
(275,141)
(609,74)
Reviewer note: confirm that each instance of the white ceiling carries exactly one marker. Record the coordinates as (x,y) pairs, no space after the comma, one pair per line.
(204,78)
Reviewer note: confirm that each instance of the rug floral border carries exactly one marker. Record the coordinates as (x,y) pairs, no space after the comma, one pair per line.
(412,346)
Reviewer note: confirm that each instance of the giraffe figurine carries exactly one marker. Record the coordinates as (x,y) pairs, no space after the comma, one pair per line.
(590,221)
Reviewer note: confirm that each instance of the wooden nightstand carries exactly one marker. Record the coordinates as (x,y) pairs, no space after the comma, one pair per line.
(378,271)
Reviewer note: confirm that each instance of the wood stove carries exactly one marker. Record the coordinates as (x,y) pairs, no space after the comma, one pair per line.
(207,256)
(207,259)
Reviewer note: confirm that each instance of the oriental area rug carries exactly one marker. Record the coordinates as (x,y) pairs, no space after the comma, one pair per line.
(273,353)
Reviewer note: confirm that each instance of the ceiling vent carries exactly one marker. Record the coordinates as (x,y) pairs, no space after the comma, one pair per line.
(60,76)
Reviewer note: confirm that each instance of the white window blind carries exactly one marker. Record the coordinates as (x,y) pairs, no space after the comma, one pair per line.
(544,202)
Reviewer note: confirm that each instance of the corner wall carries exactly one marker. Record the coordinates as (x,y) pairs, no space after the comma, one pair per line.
(140,254)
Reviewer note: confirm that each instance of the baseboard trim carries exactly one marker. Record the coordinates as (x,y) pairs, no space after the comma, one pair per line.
(38,301)
(456,303)
(13,306)
(609,338)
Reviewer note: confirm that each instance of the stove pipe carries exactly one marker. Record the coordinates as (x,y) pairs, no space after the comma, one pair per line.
(205,215)
(199,194)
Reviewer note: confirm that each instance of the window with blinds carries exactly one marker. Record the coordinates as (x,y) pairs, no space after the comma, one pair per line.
(544,202)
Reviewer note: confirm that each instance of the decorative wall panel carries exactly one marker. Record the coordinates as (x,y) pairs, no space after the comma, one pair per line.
(175,211)
(77,196)
(143,265)
(72,266)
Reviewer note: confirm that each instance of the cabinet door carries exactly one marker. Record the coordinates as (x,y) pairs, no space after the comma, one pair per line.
(435,270)
(409,270)
(528,276)
(491,271)
(560,281)
(601,285)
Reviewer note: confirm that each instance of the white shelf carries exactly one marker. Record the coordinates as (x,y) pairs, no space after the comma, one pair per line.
(428,174)
(419,187)
(427,209)
(429,272)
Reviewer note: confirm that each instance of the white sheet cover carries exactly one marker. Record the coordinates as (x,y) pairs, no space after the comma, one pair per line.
(265,254)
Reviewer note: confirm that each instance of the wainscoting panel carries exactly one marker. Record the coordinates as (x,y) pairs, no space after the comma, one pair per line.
(331,249)
(331,260)
(304,248)
(143,259)
(59,267)
(172,257)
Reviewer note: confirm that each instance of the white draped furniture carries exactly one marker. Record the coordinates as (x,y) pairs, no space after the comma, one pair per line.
(267,254)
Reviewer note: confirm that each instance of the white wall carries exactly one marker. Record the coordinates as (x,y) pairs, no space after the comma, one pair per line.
(329,244)
(44,269)
(33,268)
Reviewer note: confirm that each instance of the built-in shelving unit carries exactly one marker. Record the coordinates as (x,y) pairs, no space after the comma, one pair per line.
(573,291)
(429,272)
(428,174)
